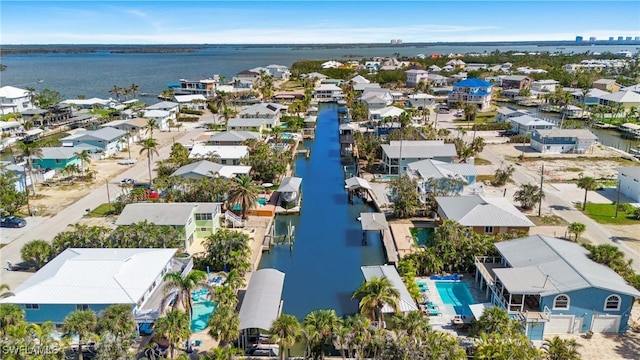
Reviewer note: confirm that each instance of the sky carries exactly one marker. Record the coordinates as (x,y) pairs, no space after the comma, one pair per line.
(311,22)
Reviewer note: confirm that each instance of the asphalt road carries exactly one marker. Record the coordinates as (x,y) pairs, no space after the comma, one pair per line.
(47,229)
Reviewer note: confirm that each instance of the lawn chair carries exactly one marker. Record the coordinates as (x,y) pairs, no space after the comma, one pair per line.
(433,312)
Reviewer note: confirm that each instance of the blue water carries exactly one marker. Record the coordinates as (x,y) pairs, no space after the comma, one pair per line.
(424,236)
(323,269)
(202,310)
(456,294)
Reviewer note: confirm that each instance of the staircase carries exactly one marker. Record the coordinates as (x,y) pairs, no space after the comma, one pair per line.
(233,219)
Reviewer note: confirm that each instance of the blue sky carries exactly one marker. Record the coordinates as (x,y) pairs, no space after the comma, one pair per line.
(264,22)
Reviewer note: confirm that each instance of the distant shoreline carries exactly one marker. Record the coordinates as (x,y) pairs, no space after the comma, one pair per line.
(190,48)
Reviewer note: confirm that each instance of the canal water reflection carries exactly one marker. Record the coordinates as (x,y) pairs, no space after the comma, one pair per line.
(323,268)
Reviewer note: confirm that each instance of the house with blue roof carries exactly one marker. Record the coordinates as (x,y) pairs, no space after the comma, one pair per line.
(471,91)
(553,287)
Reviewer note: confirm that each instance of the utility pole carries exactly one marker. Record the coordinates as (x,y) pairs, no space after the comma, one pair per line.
(106,182)
(541,192)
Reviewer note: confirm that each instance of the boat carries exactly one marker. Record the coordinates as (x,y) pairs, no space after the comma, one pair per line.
(635,152)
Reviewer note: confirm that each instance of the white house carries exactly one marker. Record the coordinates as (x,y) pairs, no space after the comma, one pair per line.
(169,106)
(559,141)
(398,154)
(327,92)
(13,99)
(629,180)
(263,111)
(161,117)
(420,101)
(526,124)
(192,102)
(416,76)
(384,113)
(205,168)
(91,103)
(229,155)
(544,85)
(107,140)
(331,64)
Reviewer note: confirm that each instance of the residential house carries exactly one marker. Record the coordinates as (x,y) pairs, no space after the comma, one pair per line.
(415,76)
(471,91)
(516,82)
(57,115)
(233,137)
(485,215)
(327,92)
(204,87)
(476,67)
(547,85)
(456,64)
(359,88)
(629,182)
(609,85)
(553,287)
(135,127)
(429,172)
(526,124)
(459,77)
(10,128)
(434,69)
(559,141)
(316,77)
(505,113)
(263,111)
(107,140)
(398,154)
(331,64)
(160,117)
(359,79)
(437,80)
(13,99)
(377,98)
(207,169)
(169,106)
(280,72)
(592,97)
(93,279)
(635,88)
(372,66)
(228,155)
(388,112)
(89,104)
(57,157)
(195,221)
(21,181)
(626,99)
(191,102)
(258,125)
(420,101)
(245,79)
(329,81)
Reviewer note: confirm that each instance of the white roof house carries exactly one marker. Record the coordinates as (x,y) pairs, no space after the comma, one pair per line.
(164,105)
(233,136)
(262,301)
(359,79)
(426,149)
(94,276)
(626,98)
(204,168)
(385,112)
(13,99)
(163,214)
(331,64)
(405,302)
(262,110)
(234,152)
(478,211)
(184,99)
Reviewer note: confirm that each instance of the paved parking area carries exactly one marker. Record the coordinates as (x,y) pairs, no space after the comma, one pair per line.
(7,235)
(573,193)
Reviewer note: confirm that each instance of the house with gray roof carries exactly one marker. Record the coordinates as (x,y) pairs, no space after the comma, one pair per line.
(263,111)
(106,140)
(441,177)
(207,169)
(561,141)
(19,171)
(170,106)
(485,215)
(258,125)
(398,154)
(527,124)
(57,158)
(233,137)
(195,221)
(552,287)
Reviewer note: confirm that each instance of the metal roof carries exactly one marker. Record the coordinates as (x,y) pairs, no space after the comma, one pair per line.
(405,302)
(262,301)
(173,214)
(357,182)
(60,152)
(566,264)
(475,210)
(94,276)
(570,133)
(373,221)
(205,168)
(234,135)
(223,151)
(106,134)
(419,149)
(527,120)
(438,169)
(290,184)
(524,280)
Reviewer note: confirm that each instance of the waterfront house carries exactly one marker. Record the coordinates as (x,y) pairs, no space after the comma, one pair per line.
(331,64)
(89,104)
(195,221)
(415,76)
(420,101)
(207,169)
(456,64)
(93,279)
(406,303)
(592,97)
(279,71)
(246,79)
(13,99)
(377,98)
(191,102)
(57,157)
(389,112)
(629,182)
(10,128)
(359,79)
(471,91)
(160,117)
(552,287)
(227,155)
(316,77)
(57,115)
(233,137)
(258,125)
(547,85)
(359,88)
(526,124)
(398,154)
(506,113)
(560,141)
(609,85)
(170,106)
(136,128)
(106,140)
(263,111)
(19,172)
(428,171)
(204,87)
(516,82)
(327,92)
(627,99)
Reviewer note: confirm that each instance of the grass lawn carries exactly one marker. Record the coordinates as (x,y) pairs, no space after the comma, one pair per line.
(291,84)
(551,220)
(101,211)
(605,214)
(484,178)
(481,161)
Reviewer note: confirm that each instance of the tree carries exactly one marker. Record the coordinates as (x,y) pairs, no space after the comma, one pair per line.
(234,280)
(185,286)
(285,331)
(116,91)
(224,324)
(405,197)
(150,126)
(495,320)
(577,229)
(116,325)
(226,249)
(561,349)
(374,294)
(10,314)
(175,327)
(83,323)
(29,151)
(502,176)
(243,192)
(47,98)
(84,157)
(150,147)
(11,200)
(36,251)
(528,195)
(320,326)
(134,90)
(588,184)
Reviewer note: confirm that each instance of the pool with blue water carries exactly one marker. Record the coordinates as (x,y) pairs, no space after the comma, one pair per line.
(456,294)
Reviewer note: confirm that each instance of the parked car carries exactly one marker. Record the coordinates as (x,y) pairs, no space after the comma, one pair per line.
(127,181)
(13,222)
(127,162)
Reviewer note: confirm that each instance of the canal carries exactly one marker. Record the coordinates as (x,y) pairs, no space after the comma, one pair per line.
(323,267)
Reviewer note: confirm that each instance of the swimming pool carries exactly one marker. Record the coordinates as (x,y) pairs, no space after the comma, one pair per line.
(262,201)
(456,294)
(387,177)
(286,136)
(422,236)
(202,310)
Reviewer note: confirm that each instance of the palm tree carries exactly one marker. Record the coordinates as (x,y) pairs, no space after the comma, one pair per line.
(243,192)
(84,157)
(175,327)
(10,314)
(528,195)
(285,330)
(374,294)
(224,324)
(151,124)
(234,280)
(83,323)
(185,285)
(150,147)
(588,184)
(561,349)
(116,91)
(320,326)
(36,251)
(134,89)
(118,321)
(29,151)
(577,228)
(7,293)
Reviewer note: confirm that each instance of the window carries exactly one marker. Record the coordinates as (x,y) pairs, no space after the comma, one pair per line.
(561,302)
(204,216)
(488,229)
(204,229)
(612,303)
(32,306)
(82,307)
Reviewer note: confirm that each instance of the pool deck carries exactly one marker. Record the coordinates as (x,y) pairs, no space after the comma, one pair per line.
(402,238)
